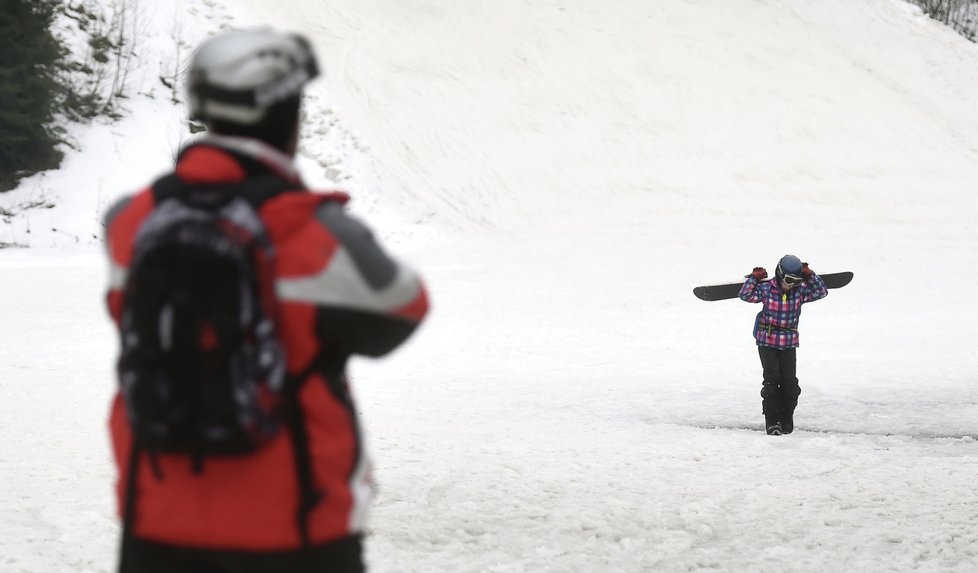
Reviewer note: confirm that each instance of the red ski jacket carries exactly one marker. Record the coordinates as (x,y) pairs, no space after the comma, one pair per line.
(339,293)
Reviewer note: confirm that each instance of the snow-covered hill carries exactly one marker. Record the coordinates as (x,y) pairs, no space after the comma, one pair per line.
(563,173)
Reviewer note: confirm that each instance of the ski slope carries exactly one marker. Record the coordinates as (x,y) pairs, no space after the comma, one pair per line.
(563,172)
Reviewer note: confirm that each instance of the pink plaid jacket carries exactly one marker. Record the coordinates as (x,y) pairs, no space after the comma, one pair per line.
(777,323)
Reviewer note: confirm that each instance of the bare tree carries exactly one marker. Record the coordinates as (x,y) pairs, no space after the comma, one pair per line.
(961,15)
(98,77)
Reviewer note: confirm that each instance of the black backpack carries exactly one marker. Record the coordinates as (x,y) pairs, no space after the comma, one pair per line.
(202,370)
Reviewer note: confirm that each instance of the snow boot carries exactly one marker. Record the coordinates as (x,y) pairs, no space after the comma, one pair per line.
(788,418)
(788,424)
(772,425)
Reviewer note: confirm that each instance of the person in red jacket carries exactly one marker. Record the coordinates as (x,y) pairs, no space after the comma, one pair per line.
(339,294)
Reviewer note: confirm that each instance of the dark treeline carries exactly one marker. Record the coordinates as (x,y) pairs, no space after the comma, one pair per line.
(30,60)
(43,85)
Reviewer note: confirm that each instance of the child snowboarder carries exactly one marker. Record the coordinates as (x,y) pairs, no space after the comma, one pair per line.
(776,333)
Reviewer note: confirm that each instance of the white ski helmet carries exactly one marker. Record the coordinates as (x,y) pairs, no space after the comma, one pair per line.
(237,76)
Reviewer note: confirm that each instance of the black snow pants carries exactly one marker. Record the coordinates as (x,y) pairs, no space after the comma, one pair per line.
(780,390)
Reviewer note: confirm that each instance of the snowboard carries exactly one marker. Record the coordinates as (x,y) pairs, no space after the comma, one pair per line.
(723,292)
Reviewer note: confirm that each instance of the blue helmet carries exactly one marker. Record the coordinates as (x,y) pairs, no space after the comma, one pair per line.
(789,265)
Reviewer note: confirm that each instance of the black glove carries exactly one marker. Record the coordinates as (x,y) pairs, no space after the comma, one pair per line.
(759,273)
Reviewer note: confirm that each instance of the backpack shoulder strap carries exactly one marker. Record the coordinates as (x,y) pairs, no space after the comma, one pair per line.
(266,186)
(255,190)
(166,187)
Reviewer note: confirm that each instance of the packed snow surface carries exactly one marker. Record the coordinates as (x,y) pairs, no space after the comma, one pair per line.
(563,173)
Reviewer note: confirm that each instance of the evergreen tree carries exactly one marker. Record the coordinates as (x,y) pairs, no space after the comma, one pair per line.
(29,89)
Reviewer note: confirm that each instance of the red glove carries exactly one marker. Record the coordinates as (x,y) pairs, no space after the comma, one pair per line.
(806,273)
(759,273)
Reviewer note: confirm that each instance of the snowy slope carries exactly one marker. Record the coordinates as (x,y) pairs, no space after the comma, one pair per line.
(473,105)
(563,173)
